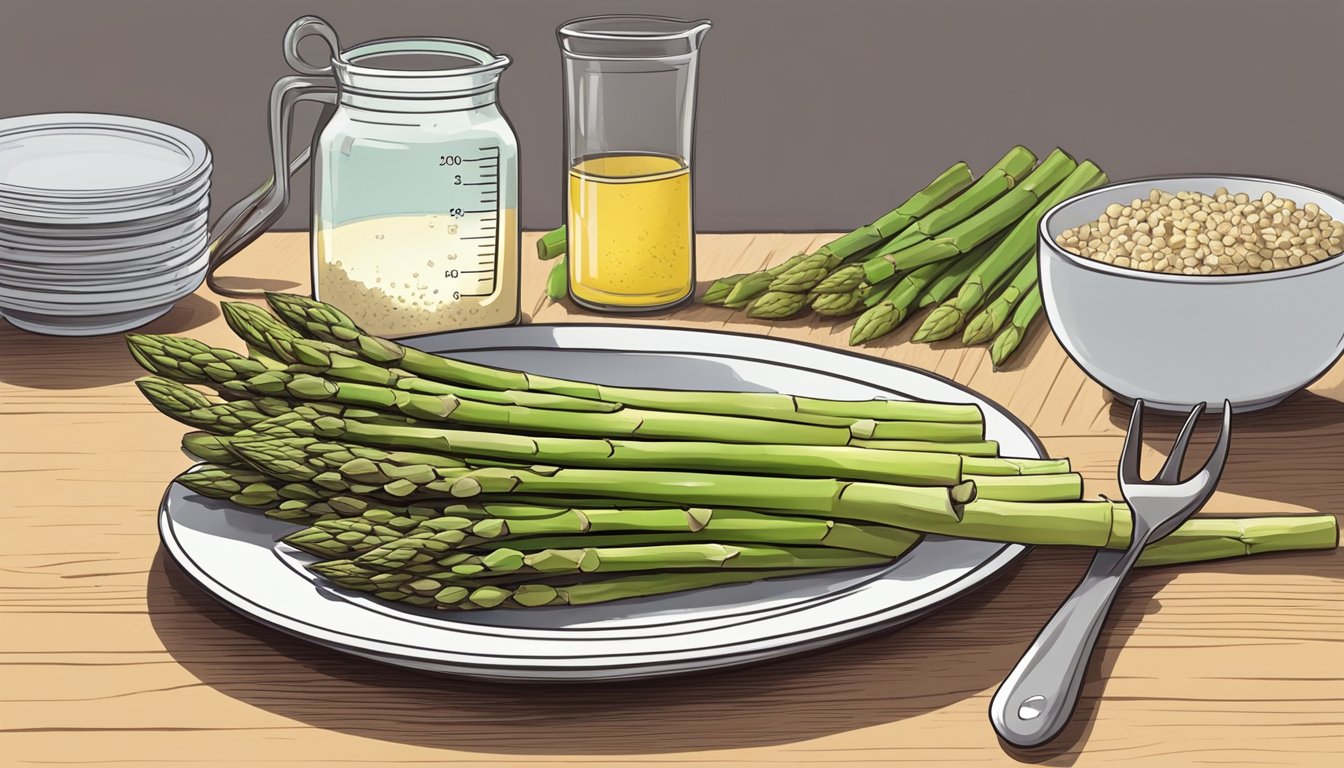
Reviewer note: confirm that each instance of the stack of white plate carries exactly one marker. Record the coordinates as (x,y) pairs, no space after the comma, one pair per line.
(102,221)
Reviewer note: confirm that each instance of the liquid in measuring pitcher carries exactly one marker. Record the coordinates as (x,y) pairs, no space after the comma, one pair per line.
(414,274)
(630,231)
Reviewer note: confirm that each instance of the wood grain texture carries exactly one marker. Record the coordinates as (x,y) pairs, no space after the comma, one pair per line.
(110,656)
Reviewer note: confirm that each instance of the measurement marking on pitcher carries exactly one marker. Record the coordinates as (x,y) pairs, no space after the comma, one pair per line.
(478,208)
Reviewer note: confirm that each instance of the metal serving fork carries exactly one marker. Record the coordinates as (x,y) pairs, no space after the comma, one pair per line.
(1038,697)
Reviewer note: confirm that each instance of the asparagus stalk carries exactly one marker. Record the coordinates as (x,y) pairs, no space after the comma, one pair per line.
(1007,341)
(1020,243)
(901,468)
(924,509)
(804,276)
(1201,538)
(522,527)
(986,448)
(718,291)
(840,304)
(258,327)
(552,244)
(990,319)
(414,590)
(1213,538)
(557,280)
(326,323)
(997,181)
(1240,537)
(893,310)
(433,541)
(980,227)
(923,286)
(217,366)
(752,284)
(563,562)
(401,474)
(877,292)
(777,305)
(951,278)
(843,280)
(251,489)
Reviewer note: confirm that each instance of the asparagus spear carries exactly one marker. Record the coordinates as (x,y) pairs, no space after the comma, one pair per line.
(718,291)
(325,322)
(902,468)
(843,280)
(915,460)
(752,284)
(434,541)
(950,279)
(251,489)
(802,277)
(990,319)
(552,244)
(413,590)
(185,359)
(560,562)
(1007,341)
(258,327)
(557,281)
(980,227)
(1212,538)
(777,305)
(987,448)
(924,509)
(218,365)
(839,304)
(424,463)
(925,285)
(1019,243)
(877,292)
(893,310)
(811,270)
(402,474)
(997,181)
(1239,537)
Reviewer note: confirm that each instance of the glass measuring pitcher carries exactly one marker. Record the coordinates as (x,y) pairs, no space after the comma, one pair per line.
(629,128)
(415,170)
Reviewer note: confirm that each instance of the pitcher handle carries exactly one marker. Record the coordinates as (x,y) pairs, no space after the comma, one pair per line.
(247,219)
(301,28)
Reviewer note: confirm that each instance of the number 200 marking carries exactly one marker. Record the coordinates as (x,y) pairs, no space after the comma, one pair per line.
(450,159)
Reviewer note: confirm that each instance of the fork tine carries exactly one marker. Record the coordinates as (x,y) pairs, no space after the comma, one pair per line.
(1217,459)
(1133,450)
(1171,470)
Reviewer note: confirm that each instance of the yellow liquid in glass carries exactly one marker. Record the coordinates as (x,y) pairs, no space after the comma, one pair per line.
(630,238)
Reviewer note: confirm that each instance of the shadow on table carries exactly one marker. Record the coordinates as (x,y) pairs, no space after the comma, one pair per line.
(1139,598)
(962,651)
(1288,454)
(83,362)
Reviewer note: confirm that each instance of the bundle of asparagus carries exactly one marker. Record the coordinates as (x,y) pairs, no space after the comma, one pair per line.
(965,246)
(434,482)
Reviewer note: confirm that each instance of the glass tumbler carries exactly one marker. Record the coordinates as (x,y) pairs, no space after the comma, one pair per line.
(630,86)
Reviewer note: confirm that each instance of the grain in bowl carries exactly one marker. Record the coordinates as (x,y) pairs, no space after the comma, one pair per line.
(1192,233)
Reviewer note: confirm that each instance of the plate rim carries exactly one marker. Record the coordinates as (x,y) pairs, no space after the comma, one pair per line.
(192,146)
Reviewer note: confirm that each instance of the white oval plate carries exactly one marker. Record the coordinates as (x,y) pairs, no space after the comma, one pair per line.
(232,552)
(92,156)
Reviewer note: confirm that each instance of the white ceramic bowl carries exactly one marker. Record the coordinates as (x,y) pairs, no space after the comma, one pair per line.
(1176,340)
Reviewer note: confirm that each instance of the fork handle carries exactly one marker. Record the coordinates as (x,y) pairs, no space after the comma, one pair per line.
(1038,697)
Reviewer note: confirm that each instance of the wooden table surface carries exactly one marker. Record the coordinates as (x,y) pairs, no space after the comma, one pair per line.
(109,655)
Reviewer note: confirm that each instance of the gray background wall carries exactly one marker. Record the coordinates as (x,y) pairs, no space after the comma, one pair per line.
(814,114)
